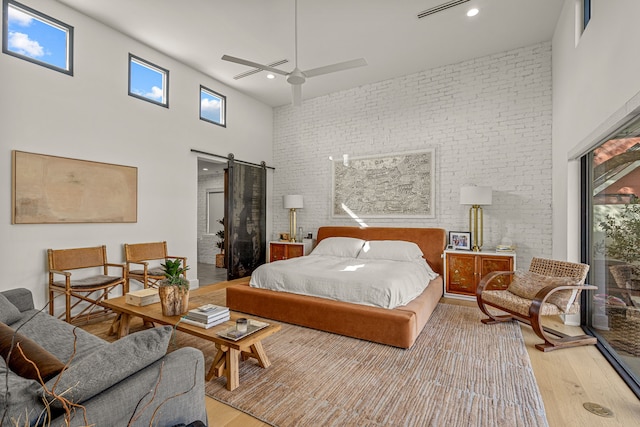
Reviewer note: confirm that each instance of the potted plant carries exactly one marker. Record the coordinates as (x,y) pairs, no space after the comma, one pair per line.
(220,258)
(623,234)
(174,288)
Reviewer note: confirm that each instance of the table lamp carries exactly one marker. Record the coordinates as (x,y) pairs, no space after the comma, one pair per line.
(475,196)
(292,202)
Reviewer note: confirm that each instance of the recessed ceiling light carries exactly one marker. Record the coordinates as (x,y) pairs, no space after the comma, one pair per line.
(271,76)
(472,12)
(205,169)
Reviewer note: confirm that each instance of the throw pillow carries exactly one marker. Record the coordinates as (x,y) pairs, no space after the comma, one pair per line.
(9,313)
(46,363)
(347,247)
(527,284)
(109,365)
(394,250)
(20,400)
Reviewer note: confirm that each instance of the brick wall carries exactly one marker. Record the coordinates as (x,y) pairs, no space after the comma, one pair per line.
(489,120)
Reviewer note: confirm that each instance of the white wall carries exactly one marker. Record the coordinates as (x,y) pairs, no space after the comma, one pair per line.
(489,120)
(595,88)
(90,116)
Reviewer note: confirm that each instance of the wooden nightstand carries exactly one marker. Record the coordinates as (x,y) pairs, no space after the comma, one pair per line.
(463,271)
(285,250)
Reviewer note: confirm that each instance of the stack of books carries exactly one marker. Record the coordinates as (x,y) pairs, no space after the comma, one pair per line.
(207,316)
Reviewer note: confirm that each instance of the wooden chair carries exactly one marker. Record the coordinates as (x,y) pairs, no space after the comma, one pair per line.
(529,311)
(138,255)
(76,290)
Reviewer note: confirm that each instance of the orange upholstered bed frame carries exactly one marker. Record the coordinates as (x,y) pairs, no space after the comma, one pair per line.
(398,327)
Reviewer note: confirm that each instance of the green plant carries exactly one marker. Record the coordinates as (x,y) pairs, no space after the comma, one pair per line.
(220,234)
(623,234)
(173,273)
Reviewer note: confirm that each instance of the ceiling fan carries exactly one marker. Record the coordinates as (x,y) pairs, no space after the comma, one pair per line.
(297,77)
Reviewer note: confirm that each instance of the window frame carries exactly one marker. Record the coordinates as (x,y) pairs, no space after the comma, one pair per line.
(589,246)
(46,19)
(586,13)
(223,108)
(165,78)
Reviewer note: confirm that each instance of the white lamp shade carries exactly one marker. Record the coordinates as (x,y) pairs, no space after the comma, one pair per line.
(475,195)
(293,201)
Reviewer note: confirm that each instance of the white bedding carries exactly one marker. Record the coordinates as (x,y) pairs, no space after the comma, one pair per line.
(379,283)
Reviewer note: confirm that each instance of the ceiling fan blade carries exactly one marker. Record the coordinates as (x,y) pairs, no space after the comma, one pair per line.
(252,64)
(296,95)
(335,67)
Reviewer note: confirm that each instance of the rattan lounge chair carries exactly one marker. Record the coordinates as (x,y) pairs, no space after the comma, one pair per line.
(529,311)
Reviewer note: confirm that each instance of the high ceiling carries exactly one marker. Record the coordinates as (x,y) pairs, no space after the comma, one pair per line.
(386,33)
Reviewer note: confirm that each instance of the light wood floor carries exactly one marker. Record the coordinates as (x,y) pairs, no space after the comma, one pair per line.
(567,379)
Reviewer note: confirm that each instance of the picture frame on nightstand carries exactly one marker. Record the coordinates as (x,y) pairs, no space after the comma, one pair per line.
(460,240)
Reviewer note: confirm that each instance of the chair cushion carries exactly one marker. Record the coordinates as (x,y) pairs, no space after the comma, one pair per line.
(156,271)
(90,282)
(9,313)
(520,305)
(111,364)
(46,364)
(527,284)
(626,276)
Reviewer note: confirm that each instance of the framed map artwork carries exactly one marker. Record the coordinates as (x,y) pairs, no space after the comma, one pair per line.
(387,186)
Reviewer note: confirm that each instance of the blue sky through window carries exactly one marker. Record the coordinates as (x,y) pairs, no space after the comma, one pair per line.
(212,106)
(37,37)
(147,81)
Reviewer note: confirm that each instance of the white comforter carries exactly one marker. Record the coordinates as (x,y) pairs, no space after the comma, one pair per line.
(379,283)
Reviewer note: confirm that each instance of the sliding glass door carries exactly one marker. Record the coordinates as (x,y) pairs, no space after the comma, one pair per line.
(611,178)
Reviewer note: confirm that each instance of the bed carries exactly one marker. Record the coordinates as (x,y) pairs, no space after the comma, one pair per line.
(399,326)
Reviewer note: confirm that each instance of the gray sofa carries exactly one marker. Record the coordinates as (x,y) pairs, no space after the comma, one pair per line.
(131,380)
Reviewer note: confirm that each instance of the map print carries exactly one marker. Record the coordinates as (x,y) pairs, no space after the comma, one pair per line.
(396,185)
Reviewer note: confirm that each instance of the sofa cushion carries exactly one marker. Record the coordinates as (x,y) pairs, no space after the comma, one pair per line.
(527,284)
(46,364)
(59,338)
(9,313)
(110,364)
(20,398)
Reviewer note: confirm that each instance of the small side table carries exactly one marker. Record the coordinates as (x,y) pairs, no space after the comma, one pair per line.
(463,270)
(286,250)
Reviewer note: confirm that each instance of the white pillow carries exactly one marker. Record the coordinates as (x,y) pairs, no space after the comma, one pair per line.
(394,250)
(347,247)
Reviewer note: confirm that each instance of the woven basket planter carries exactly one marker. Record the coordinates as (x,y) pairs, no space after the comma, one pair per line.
(624,329)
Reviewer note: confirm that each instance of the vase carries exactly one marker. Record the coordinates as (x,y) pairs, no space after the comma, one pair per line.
(174,300)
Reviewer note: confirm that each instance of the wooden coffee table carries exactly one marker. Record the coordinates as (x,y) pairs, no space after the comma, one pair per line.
(227,359)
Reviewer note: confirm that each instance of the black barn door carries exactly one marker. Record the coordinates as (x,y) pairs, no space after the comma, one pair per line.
(245,216)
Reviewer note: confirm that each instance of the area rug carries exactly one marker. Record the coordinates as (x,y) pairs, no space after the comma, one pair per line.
(460,372)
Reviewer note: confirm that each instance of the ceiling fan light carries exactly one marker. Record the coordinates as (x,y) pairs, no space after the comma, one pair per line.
(296,77)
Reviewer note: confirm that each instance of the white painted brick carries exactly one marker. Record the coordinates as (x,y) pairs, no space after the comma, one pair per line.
(489,120)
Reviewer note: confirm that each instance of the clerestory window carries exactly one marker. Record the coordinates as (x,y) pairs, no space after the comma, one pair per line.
(37,38)
(148,81)
(213,107)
